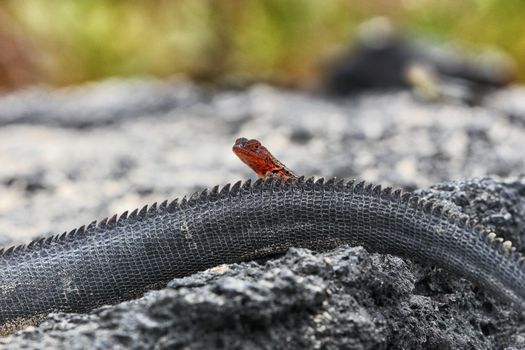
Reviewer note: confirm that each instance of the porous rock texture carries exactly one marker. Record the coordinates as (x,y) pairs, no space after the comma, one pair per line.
(72,156)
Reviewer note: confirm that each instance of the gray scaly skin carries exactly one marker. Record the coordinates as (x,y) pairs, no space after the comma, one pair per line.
(119,259)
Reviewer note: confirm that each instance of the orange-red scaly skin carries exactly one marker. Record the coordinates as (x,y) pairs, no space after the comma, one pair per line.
(257,157)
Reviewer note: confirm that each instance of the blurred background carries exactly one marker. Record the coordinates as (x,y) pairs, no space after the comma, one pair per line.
(286,43)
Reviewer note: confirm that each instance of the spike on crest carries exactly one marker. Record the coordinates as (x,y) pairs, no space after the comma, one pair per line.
(300,180)
(236,188)
(142,213)
(350,184)
(280,184)
(152,209)
(113,220)
(103,222)
(30,245)
(81,230)
(123,216)
(340,185)
(397,194)
(387,192)
(309,184)
(319,182)
(376,190)
(359,187)
(163,206)
(194,199)
(330,183)
(438,209)
(368,188)
(428,207)
(406,196)
(413,200)
(247,185)
(133,214)
(214,193)
(225,191)
(258,184)
(91,225)
(173,206)
(268,183)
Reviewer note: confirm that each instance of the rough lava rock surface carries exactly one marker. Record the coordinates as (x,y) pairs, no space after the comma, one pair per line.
(72,156)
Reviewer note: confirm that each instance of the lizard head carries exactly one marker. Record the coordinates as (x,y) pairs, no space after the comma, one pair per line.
(254,154)
(257,157)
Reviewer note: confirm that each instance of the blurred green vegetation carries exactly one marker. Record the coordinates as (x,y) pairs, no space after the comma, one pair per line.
(281,41)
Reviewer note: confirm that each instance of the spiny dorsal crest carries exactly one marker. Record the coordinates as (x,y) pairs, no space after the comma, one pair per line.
(278,185)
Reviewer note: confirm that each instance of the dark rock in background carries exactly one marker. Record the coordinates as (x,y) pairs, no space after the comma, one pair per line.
(60,169)
(385,58)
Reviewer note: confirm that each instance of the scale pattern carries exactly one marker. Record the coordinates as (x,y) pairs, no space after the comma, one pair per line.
(121,258)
